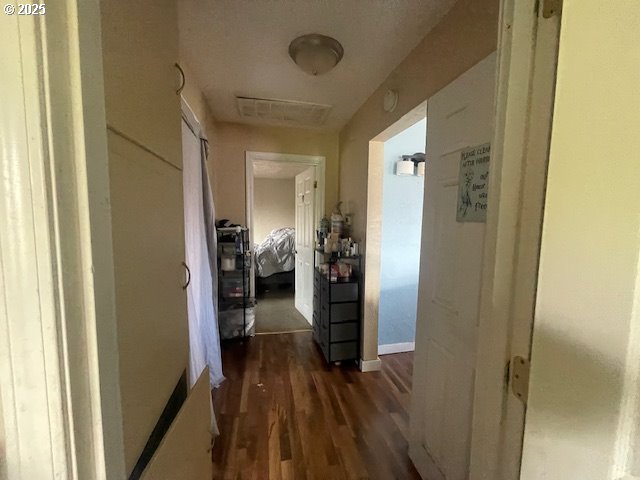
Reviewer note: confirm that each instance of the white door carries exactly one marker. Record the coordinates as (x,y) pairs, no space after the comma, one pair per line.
(305,208)
(184,452)
(583,411)
(459,116)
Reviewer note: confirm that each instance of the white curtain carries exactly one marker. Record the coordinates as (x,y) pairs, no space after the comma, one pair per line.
(200,242)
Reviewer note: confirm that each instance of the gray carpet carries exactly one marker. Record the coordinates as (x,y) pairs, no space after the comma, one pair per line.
(276,313)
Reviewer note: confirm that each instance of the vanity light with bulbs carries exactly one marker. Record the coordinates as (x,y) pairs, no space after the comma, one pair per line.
(410,165)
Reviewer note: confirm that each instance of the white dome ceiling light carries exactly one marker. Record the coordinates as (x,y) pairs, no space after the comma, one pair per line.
(316,54)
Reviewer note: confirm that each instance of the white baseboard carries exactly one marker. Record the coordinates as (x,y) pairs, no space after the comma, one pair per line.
(370,365)
(396,348)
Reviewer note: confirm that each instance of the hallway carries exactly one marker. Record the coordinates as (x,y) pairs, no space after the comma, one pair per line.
(283,413)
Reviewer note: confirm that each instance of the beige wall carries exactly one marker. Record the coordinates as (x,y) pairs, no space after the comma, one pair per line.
(274,205)
(229,142)
(584,406)
(193,95)
(228,161)
(466,35)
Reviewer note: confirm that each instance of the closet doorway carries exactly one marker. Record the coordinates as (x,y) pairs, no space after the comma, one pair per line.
(285,202)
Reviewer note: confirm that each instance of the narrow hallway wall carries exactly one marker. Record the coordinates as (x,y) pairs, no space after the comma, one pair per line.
(228,143)
(228,160)
(465,35)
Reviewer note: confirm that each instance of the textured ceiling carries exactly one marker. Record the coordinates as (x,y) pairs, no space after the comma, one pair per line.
(239,47)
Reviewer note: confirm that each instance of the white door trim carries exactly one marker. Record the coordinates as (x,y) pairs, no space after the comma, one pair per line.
(396,348)
(370,365)
(312,160)
(527,52)
(373,252)
(59,354)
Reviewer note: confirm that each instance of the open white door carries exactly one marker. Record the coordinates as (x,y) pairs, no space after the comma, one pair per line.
(305,208)
(185,450)
(459,116)
(583,411)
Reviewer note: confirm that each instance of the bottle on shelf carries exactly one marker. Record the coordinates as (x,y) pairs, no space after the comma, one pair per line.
(337,221)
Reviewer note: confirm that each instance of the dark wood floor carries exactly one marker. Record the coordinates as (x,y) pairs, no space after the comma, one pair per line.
(284,414)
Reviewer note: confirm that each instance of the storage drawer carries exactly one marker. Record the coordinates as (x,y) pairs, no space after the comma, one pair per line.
(227,248)
(344,292)
(344,312)
(344,331)
(343,351)
(324,315)
(324,291)
(232,286)
(324,346)
(324,332)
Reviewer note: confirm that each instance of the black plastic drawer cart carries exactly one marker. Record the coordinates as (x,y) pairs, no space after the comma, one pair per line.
(336,311)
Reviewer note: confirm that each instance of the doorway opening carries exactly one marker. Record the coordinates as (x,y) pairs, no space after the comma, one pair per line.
(284,203)
(446,270)
(402,194)
(394,229)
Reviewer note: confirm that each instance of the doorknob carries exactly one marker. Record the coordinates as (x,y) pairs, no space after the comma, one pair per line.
(184,287)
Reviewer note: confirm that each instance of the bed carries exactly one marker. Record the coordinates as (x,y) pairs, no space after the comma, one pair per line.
(275,259)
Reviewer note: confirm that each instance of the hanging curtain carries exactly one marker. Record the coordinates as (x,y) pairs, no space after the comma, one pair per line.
(210,224)
(200,246)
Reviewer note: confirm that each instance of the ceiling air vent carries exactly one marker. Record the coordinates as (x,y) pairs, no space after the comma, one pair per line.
(284,112)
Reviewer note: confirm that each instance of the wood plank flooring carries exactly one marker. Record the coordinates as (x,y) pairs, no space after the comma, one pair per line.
(284,414)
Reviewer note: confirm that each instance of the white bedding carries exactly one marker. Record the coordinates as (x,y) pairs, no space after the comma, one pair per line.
(276,253)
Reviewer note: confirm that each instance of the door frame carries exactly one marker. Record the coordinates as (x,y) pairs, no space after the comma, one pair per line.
(527,57)
(311,160)
(63,348)
(373,253)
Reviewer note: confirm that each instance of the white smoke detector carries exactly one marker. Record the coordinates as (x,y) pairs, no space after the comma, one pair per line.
(390,101)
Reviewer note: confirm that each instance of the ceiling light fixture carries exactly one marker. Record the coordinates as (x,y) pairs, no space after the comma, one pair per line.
(316,54)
